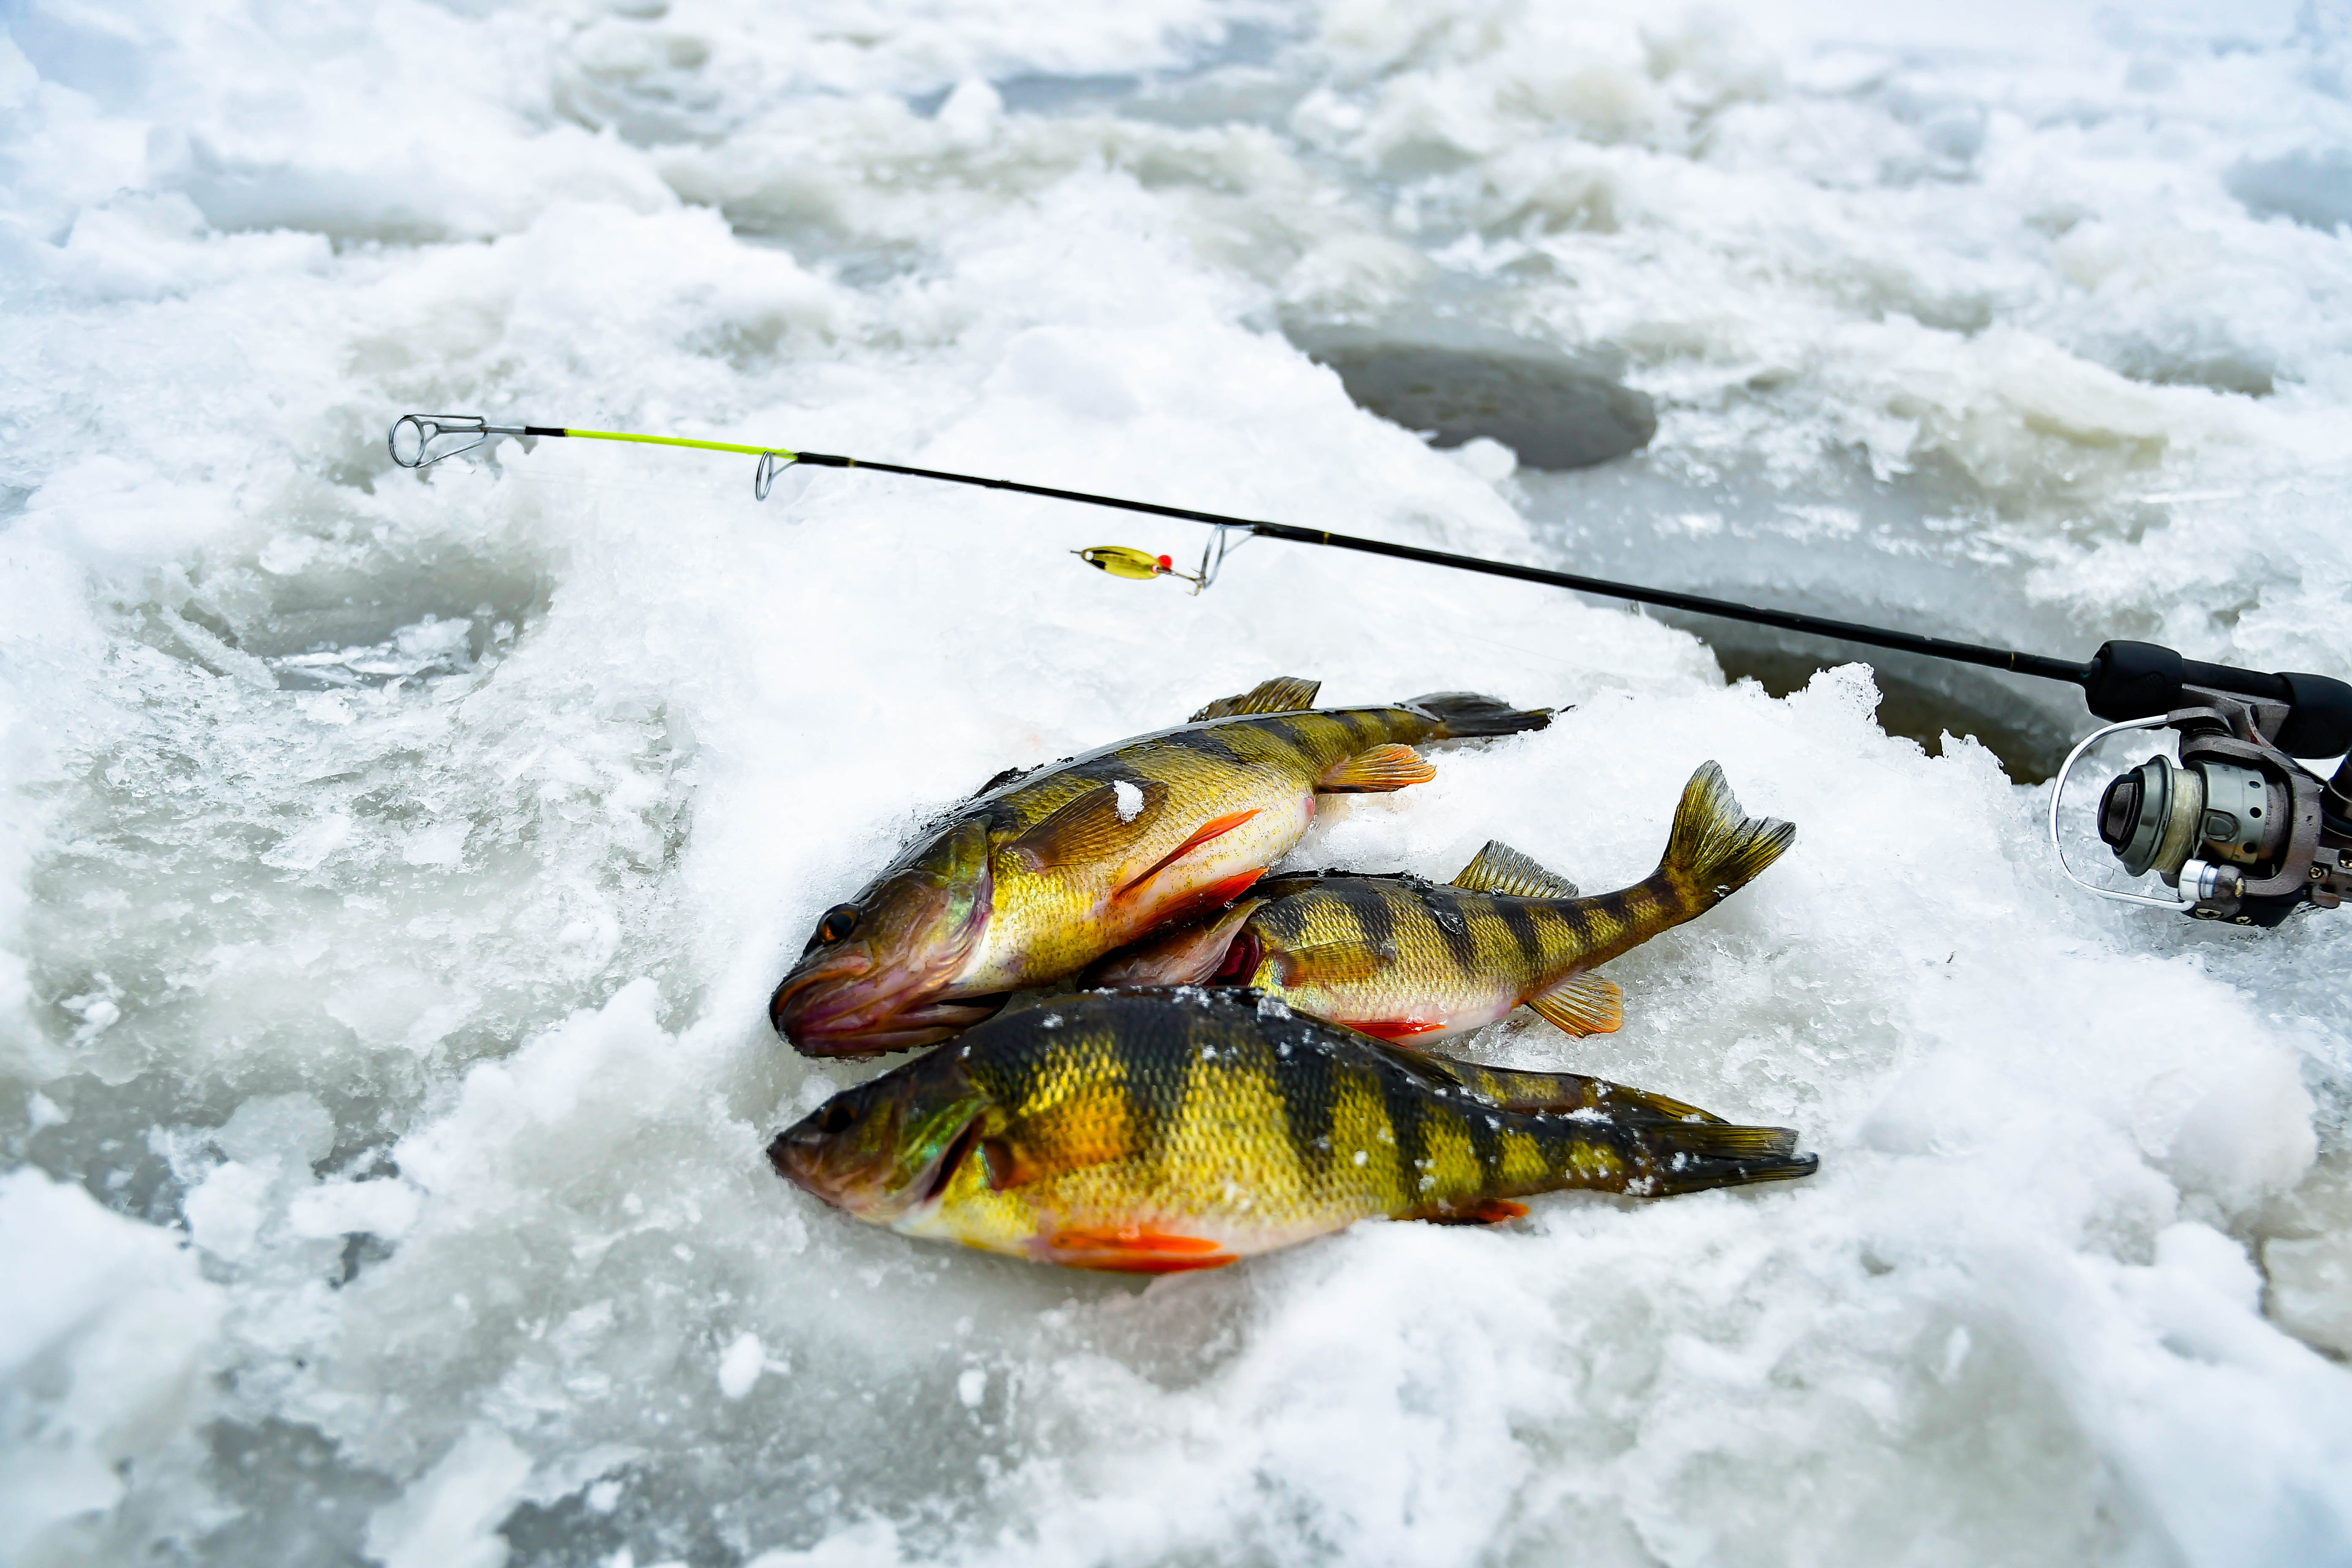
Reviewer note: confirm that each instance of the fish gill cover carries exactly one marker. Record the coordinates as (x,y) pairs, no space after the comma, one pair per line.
(394,867)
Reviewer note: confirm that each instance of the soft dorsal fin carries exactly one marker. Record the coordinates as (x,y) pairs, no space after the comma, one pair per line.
(1283,694)
(1105,820)
(1581,1005)
(1439,1073)
(1499,868)
(1515,1089)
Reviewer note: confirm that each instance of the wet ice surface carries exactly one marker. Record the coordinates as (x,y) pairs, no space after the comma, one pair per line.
(395,866)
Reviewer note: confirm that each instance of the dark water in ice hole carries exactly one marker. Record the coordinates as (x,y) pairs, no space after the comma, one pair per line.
(1605,507)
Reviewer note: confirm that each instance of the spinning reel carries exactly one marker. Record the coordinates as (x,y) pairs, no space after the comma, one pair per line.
(2239,830)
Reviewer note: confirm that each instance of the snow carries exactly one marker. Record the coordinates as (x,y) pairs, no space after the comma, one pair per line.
(394,866)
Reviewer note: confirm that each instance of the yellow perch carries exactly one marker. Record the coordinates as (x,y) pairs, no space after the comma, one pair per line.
(1042,873)
(1411,961)
(1151,1131)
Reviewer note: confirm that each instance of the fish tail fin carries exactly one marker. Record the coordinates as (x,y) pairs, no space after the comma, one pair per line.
(1691,1157)
(1713,850)
(1460,715)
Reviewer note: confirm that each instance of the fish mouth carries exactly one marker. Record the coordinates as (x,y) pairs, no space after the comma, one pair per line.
(808,1155)
(843,1008)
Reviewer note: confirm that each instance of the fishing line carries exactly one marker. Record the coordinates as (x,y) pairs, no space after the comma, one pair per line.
(2122,680)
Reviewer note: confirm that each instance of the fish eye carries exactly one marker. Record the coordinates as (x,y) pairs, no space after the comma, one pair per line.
(835,1117)
(838,922)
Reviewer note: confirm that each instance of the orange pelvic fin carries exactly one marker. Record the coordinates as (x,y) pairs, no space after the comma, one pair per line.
(1375,772)
(1582,1004)
(1486,1211)
(1215,828)
(1395,1029)
(1125,1251)
(1188,955)
(1209,897)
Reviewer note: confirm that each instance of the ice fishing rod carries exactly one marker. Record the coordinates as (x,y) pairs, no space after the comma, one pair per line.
(2237,829)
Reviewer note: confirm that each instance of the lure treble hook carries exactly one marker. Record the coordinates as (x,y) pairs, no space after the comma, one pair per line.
(1141,565)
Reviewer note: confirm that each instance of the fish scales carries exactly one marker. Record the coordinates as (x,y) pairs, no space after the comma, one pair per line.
(1409,960)
(1030,882)
(1044,929)
(1155,1132)
(1225,1123)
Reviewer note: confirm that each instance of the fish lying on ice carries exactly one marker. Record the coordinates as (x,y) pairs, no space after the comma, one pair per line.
(1150,1131)
(1030,882)
(1411,961)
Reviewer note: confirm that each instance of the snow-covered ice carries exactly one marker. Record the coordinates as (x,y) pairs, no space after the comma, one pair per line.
(394,866)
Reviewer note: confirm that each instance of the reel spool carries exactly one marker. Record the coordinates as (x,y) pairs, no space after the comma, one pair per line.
(2237,828)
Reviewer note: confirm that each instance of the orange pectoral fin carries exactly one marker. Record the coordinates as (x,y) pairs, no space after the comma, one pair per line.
(1330,964)
(1090,1128)
(1127,1251)
(1215,828)
(1209,897)
(1375,772)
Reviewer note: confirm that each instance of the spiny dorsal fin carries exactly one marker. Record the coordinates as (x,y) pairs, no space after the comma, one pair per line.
(1104,821)
(1499,868)
(1283,694)
(1013,774)
(1582,1004)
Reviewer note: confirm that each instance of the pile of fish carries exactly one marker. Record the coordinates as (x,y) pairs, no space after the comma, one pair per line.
(1248,1071)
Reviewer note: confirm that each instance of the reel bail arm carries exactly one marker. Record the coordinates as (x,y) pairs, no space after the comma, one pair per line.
(2242,831)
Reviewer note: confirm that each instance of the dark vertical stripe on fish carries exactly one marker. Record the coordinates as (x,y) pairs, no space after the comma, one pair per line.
(1285,920)
(1452,924)
(1516,918)
(1602,920)
(1155,1096)
(1407,1104)
(1299,734)
(1486,1136)
(1305,1083)
(1205,743)
(1374,920)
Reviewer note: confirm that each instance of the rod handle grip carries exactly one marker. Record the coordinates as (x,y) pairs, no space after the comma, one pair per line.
(2140,679)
